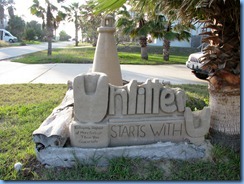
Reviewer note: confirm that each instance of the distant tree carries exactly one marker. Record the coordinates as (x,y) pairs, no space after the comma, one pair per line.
(63,36)
(50,21)
(5,4)
(33,27)
(30,34)
(34,31)
(168,30)
(90,22)
(72,14)
(2,16)
(11,8)
(121,37)
(16,25)
(135,24)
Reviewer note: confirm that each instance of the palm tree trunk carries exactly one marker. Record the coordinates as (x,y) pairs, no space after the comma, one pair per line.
(225,117)
(166,49)
(143,43)
(49,30)
(49,47)
(76,36)
(94,40)
(1,17)
(11,11)
(76,29)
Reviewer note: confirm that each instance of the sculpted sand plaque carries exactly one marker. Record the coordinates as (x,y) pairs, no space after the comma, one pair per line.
(86,136)
(134,114)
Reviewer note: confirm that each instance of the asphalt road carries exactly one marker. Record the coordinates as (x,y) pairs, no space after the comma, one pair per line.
(10,52)
(13,73)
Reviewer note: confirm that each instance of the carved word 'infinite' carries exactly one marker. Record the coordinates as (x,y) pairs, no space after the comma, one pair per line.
(95,98)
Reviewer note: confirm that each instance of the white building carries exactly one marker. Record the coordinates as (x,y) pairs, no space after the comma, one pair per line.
(195,39)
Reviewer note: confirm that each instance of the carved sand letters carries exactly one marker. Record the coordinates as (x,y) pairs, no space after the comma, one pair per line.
(148,98)
(91,97)
(109,115)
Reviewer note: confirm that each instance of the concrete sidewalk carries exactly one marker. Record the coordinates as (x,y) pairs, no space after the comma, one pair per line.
(15,73)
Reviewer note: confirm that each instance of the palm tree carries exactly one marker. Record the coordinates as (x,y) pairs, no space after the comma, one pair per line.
(135,25)
(1,15)
(60,16)
(73,15)
(90,22)
(11,8)
(162,27)
(9,5)
(222,57)
(82,23)
(51,22)
(165,29)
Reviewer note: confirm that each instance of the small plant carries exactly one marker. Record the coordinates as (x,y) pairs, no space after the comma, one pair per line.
(23,43)
(4,44)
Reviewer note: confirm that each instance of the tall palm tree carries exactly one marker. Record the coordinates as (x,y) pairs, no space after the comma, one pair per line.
(60,16)
(11,8)
(134,24)
(50,22)
(2,16)
(3,5)
(82,23)
(73,15)
(222,57)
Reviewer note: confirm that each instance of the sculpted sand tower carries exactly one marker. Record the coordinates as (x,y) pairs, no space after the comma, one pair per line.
(106,56)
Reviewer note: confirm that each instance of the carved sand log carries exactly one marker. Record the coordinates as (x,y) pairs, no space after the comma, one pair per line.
(54,130)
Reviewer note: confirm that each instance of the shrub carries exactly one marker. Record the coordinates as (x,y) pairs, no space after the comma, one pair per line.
(3,43)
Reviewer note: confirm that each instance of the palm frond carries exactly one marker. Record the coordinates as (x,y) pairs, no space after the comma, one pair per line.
(107,6)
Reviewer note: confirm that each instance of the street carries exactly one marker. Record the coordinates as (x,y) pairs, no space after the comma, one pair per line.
(14,73)
(10,52)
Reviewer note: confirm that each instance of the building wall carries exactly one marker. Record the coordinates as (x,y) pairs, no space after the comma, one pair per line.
(195,39)
(159,42)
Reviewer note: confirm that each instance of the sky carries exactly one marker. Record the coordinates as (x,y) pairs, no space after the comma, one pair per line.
(22,10)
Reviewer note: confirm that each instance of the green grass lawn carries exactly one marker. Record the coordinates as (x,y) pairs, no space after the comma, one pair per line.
(127,55)
(23,107)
